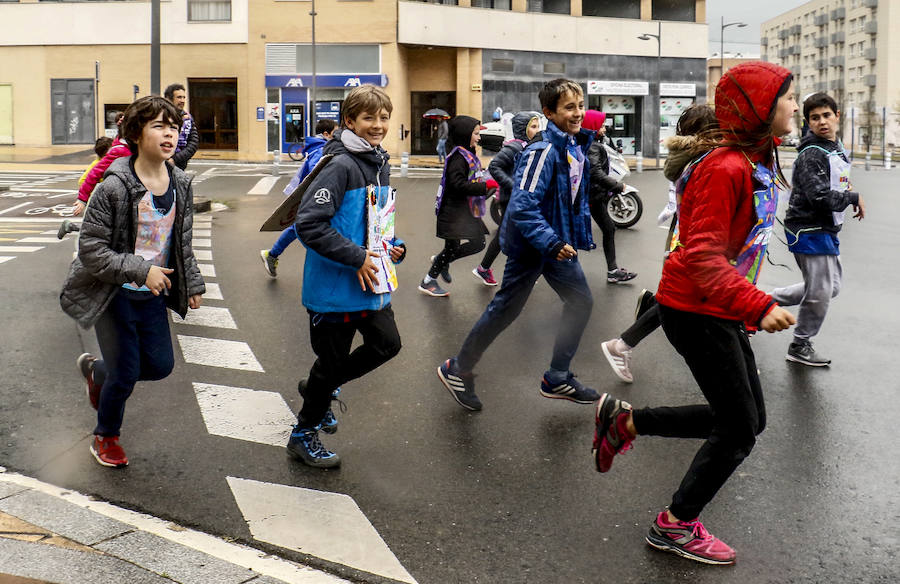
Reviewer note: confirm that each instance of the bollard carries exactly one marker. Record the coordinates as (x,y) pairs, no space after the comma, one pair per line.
(639,161)
(404,164)
(276,159)
(868,161)
(887,160)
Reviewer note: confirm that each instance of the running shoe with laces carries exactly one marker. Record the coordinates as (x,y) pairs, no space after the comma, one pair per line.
(445,273)
(645,302)
(270,262)
(85,364)
(108,452)
(329,423)
(570,389)
(805,354)
(304,445)
(619,275)
(432,289)
(485,275)
(689,539)
(461,387)
(620,361)
(610,436)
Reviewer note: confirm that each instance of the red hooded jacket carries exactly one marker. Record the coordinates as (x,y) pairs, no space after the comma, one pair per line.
(717,211)
(118,149)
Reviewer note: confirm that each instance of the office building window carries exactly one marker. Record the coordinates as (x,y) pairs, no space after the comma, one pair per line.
(549,6)
(502,65)
(554,68)
(605,8)
(674,10)
(209,10)
(495,4)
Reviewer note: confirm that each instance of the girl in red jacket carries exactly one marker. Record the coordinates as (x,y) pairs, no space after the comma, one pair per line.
(706,295)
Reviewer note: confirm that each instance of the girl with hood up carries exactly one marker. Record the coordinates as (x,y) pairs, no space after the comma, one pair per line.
(462,189)
(503,169)
(706,295)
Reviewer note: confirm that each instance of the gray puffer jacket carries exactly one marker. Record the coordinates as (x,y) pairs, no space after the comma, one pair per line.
(106,257)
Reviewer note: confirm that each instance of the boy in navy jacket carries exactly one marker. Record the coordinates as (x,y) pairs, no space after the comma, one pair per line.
(547,220)
(339,275)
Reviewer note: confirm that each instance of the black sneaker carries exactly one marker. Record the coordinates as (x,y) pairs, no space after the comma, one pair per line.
(329,423)
(305,446)
(619,275)
(570,389)
(805,354)
(432,289)
(645,302)
(461,387)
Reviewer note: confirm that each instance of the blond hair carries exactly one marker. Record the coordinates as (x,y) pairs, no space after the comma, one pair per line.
(365,98)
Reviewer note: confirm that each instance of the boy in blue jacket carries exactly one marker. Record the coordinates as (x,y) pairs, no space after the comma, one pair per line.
(547,220)
(339,275)
(314,146)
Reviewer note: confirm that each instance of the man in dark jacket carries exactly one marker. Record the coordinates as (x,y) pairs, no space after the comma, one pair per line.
(821,192)
(188,138)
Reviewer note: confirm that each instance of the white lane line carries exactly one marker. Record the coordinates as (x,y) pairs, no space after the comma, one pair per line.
(208,270)
(264,185)
(38,240)
(203,254)
(327,525)
(13,208)
(202,233)
(21,248)
(6,258)
(202,243)
(212,316)
(219,353)
(244,414)
(212,292)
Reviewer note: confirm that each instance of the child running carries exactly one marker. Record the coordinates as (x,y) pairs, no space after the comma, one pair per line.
(820,194)
(546,222)
(706,294)
(340,273)
(502,169)
(134,260)
(95,173)
(695,120)
(459,205)
(313,150)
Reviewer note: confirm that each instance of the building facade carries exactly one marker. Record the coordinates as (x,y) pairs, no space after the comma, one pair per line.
(844,48)
(66,67)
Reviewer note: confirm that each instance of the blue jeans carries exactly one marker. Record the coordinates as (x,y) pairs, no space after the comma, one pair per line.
(133,333)
(287,237)
(442,149)
(521,272)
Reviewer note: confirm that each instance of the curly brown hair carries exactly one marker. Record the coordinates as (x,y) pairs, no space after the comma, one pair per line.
(143,111)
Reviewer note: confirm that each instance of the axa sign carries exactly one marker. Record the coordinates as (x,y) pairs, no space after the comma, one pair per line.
(352,82)
(294,82)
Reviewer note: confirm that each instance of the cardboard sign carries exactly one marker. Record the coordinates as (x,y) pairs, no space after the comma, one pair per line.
(286,213)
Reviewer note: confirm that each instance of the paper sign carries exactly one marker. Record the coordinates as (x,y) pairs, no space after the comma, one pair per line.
(286,213)
(381,210)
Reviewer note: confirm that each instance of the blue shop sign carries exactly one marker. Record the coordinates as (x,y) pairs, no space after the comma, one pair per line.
(379,80)
(328,110)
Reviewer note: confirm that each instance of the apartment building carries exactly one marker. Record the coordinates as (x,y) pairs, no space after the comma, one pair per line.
(66,66)
(844,48)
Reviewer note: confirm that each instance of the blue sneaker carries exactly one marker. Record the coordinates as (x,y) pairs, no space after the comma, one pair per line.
(305,446)
(570,389)
(329,423)
(461,387)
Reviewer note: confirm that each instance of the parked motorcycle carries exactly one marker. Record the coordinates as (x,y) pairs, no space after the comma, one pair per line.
(625,208)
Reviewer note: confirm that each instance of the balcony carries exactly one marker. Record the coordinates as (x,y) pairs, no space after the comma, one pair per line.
(782,53)
(868,106)
(821,42)
(870,80)
(870,3)
(871,53)
(821,19)
(871,27)
(837,37)
(836,84)
(838,13)
(837,61)
(795,29)
(764,41)
(783,33)
(820,86)
(821,64)
(794,50)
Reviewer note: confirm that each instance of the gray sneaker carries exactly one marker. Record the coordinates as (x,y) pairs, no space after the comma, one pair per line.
(620,362)
(270,262)
(805,354)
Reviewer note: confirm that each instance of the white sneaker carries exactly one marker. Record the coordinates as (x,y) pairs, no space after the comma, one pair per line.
(619,361)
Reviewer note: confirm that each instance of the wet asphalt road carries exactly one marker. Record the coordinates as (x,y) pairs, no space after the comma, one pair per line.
(507,495)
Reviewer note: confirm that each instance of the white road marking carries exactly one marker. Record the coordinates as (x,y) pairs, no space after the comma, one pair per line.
(203,254)
(19,248)
(202,233)
(13,208)
(6,258)
(212,316)
(39,240)
(219,353)
(201,243)
(263,186)
(330,526)
(244,414)
(212,291)
(208,270)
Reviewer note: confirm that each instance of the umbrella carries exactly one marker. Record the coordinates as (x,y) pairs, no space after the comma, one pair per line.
(436,114)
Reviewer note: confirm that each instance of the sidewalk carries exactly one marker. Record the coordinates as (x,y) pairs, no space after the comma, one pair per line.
(50,535)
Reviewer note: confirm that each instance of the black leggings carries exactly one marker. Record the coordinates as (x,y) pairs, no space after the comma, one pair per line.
(605,222)
(643,326)
(453,250)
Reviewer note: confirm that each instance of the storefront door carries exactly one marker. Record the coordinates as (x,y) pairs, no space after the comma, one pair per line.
(72,111)
(424,132)
(213,103)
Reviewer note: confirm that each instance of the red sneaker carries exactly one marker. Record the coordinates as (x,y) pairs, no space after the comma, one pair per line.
(610,435)
(107,451)
(485,275)
(689,539)
(85,364)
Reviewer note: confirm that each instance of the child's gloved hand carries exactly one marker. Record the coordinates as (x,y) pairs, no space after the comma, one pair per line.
(492,184)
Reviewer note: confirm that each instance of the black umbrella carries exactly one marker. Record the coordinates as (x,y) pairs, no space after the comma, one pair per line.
(436,114)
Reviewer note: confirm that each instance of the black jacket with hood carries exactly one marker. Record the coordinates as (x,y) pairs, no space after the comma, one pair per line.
(503,165)
(454,219)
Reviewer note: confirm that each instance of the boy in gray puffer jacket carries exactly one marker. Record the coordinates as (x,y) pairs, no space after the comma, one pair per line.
(134,260)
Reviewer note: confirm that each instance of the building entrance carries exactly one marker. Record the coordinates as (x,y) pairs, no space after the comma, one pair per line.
(72,111)
(213,104)
(424,132)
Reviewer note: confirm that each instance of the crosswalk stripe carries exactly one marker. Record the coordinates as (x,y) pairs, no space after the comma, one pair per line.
(203,254)
(39,240)
(263,186)
(202,243)
(212,292)
(6,258)
(208,270)
(211,316)
(202,233)
(245,414)
(219,353)
(19,248)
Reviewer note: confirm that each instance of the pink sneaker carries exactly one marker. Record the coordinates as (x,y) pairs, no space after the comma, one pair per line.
(689,539)
(486,276)
(610,435)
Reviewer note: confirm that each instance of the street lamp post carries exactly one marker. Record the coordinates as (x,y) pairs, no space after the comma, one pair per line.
(722,42)
(658,37)
(312,93)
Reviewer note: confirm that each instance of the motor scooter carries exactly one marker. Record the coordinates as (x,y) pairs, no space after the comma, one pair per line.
(625,208)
